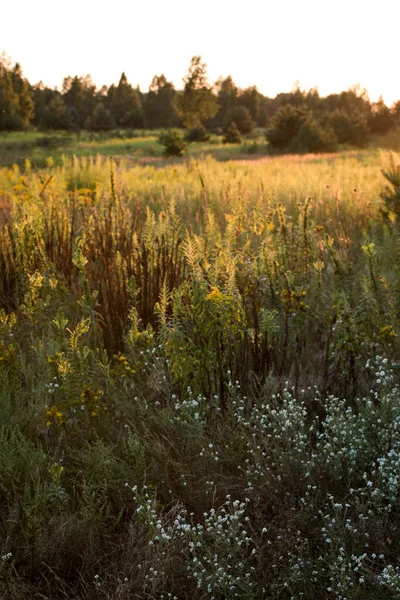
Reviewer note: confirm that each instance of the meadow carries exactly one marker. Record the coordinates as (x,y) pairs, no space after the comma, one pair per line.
(141,146)
(199,383)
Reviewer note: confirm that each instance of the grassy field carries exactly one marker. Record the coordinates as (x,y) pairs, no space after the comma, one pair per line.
(140,147)
(199,382)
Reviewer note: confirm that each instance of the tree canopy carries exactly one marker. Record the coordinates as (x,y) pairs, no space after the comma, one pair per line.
(197,102)
(296,120)
(16,103)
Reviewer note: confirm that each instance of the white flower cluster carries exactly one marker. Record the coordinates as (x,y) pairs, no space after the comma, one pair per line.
(273,432)
(52,387)
(190,409)
(215,551)
(390,578)
(382,370)
(336,469)
(6,557)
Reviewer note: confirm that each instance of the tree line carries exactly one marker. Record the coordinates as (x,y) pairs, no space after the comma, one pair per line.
(298,120)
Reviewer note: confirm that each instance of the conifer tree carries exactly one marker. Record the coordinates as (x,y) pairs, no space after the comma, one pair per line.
(125,104)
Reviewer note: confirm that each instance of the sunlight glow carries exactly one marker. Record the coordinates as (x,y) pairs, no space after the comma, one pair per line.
(271,45)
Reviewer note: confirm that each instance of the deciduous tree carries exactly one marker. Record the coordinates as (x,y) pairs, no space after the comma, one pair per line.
(16,104)
(197,102)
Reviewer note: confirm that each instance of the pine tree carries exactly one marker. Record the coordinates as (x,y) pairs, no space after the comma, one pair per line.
(125,104)
(159,105)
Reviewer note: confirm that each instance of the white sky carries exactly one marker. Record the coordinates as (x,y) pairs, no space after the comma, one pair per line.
(271,44)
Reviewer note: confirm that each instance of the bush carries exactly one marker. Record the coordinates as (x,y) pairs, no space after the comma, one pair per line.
(232,135)
(391,193)
(197,134)
(241,116)
(349,128)
(252,148)
(285,125)
(49,141)
(173,142)
(295,129)
(312,137)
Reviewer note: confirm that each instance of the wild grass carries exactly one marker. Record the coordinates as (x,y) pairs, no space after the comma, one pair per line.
(138,147)
(199,386)
(38,148)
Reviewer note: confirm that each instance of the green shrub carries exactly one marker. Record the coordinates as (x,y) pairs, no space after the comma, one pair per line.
(197,134)
(252,148)
(240,115)
(349,128)
(173,142)
(51,141)
(312,137)
(295,129)
(285,125)
(232,135)
(391,194)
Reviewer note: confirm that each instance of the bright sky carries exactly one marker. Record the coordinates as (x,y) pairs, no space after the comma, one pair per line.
(332,45)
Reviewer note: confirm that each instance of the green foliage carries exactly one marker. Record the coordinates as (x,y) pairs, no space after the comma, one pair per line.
(101,119)
(16,104)
(345,118)
(125,104)
(349,128)
(174,143)
(197,102)
(78,94)
(312,137)
(391,194)
(382,119)
(232,134)
(285,125)
(295,129)
(55,115)
(250,98)
(227,99)
(241,117)
(197,134)
(199,377)
(159,105)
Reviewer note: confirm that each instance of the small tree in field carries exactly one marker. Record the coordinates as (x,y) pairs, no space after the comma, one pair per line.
(173,142)
(391,193)
(197,134)
(232,135)
(197,102)
(285,125)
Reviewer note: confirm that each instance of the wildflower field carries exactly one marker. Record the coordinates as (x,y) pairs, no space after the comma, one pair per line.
(199,379)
